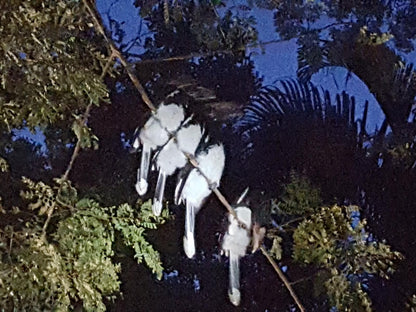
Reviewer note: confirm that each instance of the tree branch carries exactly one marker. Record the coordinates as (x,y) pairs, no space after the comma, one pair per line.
(261,44)
(83,122)
(45,225)
(283,278)
(117,53)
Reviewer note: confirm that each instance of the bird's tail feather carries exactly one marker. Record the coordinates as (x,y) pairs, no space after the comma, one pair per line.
(178,192)
(159,192)
(141,185)
(234,288)
(188,239)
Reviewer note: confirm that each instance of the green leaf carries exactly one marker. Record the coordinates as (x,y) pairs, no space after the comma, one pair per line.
(216,2)
(4,166)
(276,250)
(328,240)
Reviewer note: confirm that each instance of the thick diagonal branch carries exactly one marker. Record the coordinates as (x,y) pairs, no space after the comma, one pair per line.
(283,278)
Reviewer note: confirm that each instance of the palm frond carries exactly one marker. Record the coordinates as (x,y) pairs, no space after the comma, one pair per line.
(294,125)
(272,104)
(404,87)
(405,77)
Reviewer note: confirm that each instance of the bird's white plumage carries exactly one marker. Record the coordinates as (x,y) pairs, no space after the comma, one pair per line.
(189,245)
(235,244)
(172,157)
(196,189)
(136,144)
(156,130)
(178,190)
(170,116)
(155,133)
(211,164)
(189,137)
(237,239)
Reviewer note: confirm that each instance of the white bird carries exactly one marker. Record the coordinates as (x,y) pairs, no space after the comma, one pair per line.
(172,157)
(235,244)
(194,189)
(185,171)
(155,133)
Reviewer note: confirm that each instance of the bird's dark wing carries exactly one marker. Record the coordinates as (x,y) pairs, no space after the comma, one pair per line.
(182,177)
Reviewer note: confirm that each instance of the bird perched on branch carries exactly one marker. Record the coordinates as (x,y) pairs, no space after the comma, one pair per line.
(195,187)
(235,244)
(172,157)
(155,133)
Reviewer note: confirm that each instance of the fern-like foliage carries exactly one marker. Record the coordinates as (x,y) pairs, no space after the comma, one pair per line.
(403,89)
(299,196)
(33,274)
(346,296)
(335,240)
(298,200)
(272,104)
(71,261)
(411,304)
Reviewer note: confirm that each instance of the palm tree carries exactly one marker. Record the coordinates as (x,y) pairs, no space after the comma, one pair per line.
(296,126)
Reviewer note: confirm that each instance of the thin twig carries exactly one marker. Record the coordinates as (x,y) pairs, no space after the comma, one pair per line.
(293,221)
(73,157)
(264,43)
(283,278)
(226,204)
(301,280)
(123,61)
(84,121)
(10,246)
(45,225)
(180,57)
(219,26)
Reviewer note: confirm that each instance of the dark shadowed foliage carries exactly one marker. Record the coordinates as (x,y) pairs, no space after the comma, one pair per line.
(296,126)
